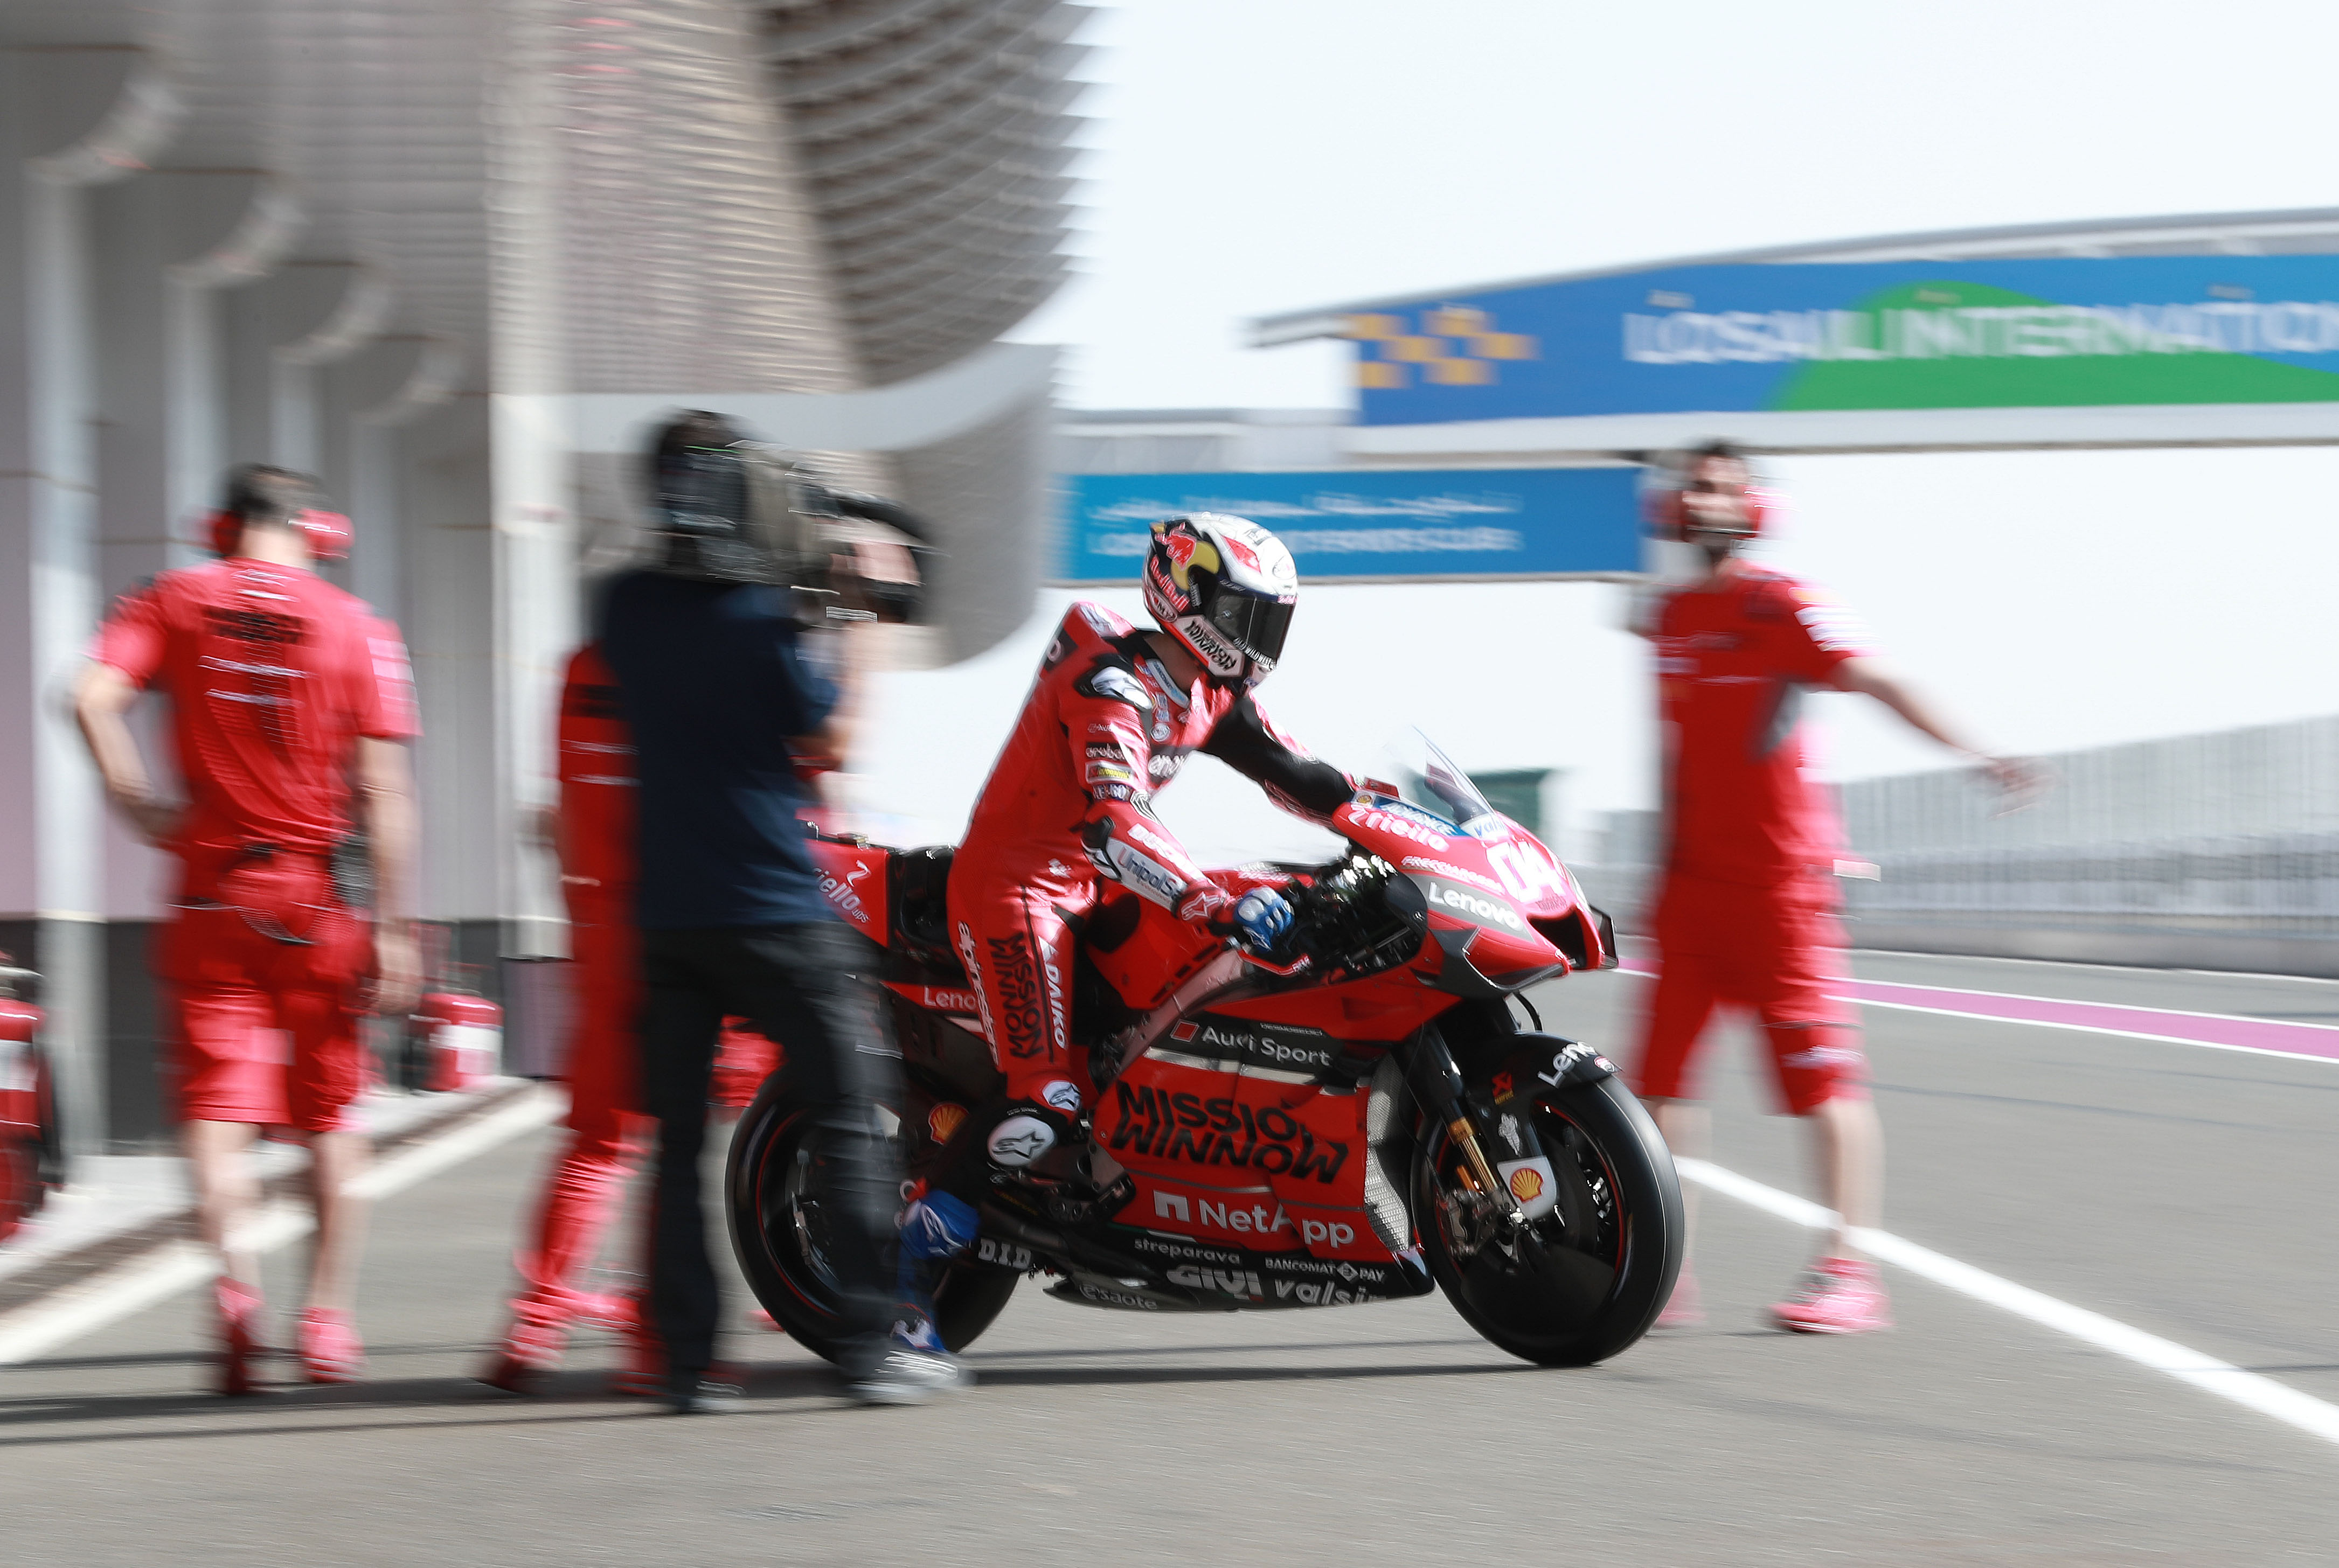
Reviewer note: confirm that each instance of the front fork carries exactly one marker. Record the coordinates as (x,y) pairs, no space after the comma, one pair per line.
(1436,1084)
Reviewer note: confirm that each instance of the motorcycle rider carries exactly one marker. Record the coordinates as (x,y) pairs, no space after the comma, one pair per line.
(285,691)
(1746,912)
(1109,719)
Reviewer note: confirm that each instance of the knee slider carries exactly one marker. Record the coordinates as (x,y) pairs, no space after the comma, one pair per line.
(1029,1130)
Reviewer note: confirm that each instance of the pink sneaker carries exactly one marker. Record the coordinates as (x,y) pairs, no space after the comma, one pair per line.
(1685,1311)
(1838,1296)
(330,1349)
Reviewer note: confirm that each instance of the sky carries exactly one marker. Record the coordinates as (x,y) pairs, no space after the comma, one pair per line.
(1246,159)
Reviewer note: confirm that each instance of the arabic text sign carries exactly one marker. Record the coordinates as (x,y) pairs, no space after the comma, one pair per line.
(1375,523)
(2065,332)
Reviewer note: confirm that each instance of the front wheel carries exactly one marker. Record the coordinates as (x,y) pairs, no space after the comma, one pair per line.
(1586,1280)
(775,1187)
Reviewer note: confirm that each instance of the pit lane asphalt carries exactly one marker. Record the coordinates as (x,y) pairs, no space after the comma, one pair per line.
(2190,1192)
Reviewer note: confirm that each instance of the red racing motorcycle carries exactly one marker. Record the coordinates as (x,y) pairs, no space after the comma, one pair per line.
(1376,1117)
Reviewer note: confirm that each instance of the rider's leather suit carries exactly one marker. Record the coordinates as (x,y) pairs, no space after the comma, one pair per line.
(1068,803)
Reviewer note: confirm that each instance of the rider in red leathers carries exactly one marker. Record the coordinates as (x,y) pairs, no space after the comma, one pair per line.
(1111,717)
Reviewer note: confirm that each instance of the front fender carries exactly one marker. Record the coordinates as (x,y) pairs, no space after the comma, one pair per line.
(1549,1061)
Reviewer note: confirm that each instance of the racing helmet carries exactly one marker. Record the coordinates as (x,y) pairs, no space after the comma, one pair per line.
(263,493)
(1668,517)
(1225,588)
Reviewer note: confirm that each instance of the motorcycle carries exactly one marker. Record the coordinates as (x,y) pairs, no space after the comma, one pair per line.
(32,1148)
(1370,1115)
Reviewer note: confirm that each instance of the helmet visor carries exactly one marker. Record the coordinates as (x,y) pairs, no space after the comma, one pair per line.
(1252,623)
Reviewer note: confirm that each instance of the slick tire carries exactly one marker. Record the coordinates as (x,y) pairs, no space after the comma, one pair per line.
(1589,1278)
(773,1196)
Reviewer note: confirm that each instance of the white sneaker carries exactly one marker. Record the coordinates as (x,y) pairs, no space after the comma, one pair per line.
(906,1377)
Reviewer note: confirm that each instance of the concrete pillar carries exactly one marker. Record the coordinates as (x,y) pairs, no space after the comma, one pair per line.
(446,501)
(165,244)
(69,119)
(535,618)
(282,331)
(368,399)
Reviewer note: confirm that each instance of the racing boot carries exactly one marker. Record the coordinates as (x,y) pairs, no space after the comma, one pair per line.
(935,1228)
(239,1308)
(1837,1295)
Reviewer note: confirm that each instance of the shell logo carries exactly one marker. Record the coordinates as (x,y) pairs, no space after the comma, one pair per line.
(1526,1184)
(946,1119)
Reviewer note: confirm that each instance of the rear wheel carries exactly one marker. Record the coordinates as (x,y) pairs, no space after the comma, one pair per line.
(1587,1280)
(777,1192)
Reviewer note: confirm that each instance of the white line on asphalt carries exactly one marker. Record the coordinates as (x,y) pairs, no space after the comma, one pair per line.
(2095,1029)
(157,1276)
(420,1161)
(2057,1023)
(2207,1373)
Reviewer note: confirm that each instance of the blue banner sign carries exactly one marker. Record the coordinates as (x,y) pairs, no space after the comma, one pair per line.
(1834,336)
(1372,523)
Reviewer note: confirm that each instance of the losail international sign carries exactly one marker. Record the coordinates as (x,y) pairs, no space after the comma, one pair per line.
(2249,345)
(1372,525)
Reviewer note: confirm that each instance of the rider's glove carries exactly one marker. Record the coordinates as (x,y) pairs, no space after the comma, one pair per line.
(1262,919)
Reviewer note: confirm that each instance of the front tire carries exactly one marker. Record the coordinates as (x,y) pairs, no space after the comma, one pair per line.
(774,1192)
(1586,1280)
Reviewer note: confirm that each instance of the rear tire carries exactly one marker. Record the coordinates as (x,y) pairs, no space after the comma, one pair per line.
(773,1192)
(1587,1280)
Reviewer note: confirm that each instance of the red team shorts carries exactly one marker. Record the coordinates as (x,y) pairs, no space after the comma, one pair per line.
(262,1030)
(1774,951)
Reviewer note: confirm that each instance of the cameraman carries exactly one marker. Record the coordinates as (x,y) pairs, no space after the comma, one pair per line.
(724,706)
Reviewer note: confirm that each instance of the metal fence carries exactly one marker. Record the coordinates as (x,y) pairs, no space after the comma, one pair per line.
(2215,850)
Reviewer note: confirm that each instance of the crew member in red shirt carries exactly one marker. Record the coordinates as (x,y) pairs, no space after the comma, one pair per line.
(1746,915)
(1111,717)
(283,688)
(593,831)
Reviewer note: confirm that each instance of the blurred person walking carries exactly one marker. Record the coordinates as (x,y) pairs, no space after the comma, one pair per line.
(592,831)
(723,703)
(1746,915)
(284,689)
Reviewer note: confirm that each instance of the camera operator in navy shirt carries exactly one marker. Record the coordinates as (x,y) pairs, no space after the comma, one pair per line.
(724,705)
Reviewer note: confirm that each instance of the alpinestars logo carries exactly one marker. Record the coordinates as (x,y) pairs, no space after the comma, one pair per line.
(1184,1126)
(1114,682)
(1472,906)
(1019,1140)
